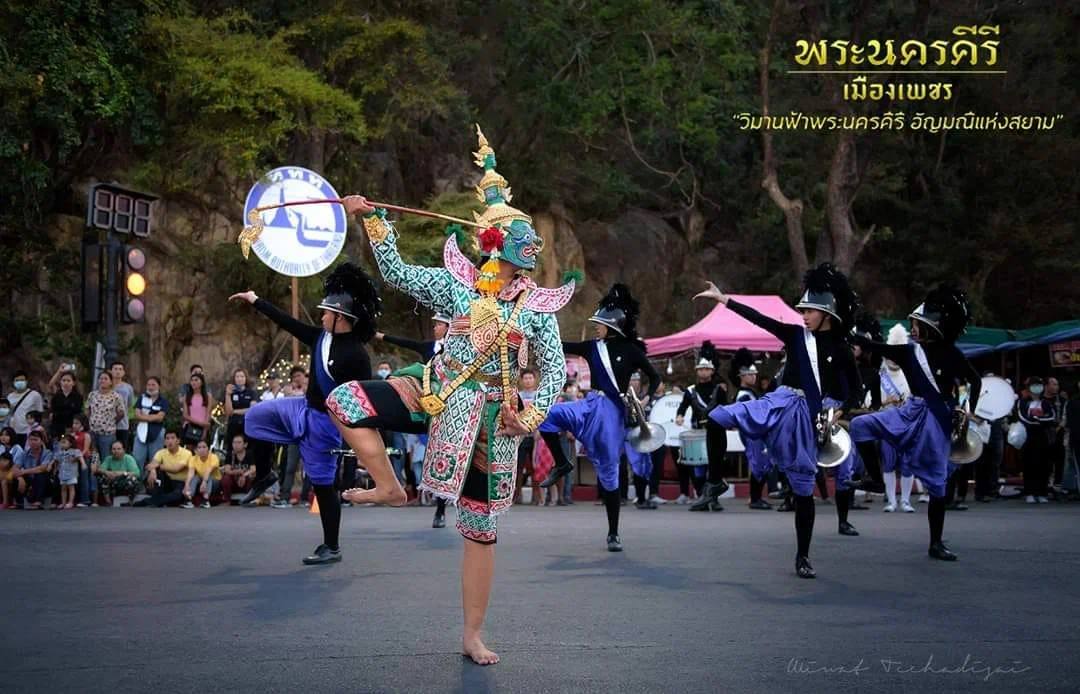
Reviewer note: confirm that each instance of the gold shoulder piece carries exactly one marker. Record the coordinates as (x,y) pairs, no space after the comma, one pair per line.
(376,228)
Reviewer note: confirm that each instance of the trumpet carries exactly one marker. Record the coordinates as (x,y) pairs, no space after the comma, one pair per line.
(645,437)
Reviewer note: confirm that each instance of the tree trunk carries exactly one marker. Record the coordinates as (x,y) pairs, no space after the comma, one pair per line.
(693,222)
(791,207)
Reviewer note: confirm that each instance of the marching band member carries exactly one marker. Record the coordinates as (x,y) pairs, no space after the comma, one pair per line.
(427,349)
(599,421)
(894,391)
(921,428)
(744,373)
(863,399)
(641,464)
(700,399)
(498,318)
(350,308)
(820,373)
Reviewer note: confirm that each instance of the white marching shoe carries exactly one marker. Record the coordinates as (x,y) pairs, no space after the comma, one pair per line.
(889,508)
(906,507)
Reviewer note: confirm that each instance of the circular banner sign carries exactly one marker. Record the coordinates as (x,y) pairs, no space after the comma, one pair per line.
(302,240)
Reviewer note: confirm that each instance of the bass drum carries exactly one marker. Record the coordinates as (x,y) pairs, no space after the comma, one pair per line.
(663,413)
(996,399)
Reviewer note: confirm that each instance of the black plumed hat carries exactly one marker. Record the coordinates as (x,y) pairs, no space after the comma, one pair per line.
(350,292)
(742,362)
(618,310)
(827,290)
(945,310)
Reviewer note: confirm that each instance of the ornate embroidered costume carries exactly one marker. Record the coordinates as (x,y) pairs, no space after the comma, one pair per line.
(494,332)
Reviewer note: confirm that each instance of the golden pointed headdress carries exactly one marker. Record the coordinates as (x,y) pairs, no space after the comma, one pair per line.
(494,190)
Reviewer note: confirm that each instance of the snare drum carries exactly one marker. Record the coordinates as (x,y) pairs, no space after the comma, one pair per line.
(694,451)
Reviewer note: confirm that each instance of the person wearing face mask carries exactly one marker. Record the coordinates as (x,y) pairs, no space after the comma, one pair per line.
(820,373)
(150,410)
(921,428)
(21,401)
(392,440)
(1040,420)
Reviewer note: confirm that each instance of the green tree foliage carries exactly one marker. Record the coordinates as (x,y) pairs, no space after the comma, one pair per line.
(597,105)
(230,100)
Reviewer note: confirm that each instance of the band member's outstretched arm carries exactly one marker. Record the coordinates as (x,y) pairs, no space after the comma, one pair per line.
(580,349)
(404,342)
(784,331)
(302,331)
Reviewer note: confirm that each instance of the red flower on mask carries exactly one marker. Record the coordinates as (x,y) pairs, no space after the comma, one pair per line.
(491,239)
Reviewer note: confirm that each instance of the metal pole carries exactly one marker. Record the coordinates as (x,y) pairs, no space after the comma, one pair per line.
(295,314)
(112,300)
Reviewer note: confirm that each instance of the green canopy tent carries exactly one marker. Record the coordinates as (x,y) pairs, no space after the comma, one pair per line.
(981,342)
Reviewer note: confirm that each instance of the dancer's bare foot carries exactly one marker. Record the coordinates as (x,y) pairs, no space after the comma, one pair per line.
(382,497)
(474,649)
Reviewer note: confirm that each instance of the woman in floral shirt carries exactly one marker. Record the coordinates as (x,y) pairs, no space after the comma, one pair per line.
(105,408)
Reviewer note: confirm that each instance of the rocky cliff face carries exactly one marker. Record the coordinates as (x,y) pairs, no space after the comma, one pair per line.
(193,266)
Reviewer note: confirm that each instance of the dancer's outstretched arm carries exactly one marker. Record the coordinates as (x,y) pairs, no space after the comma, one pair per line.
(433,287)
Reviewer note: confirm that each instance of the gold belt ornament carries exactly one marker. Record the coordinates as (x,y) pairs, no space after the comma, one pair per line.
(433,404)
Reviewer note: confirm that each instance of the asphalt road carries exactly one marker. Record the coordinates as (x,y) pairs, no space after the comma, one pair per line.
(178,600)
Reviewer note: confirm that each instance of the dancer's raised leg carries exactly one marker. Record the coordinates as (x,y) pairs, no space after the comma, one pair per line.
(371,454)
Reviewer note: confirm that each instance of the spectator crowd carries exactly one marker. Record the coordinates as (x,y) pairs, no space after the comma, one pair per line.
(113,445)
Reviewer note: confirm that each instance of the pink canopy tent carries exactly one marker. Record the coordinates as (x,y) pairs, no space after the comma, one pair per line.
(728,331)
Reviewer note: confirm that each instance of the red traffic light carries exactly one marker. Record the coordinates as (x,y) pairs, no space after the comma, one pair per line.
(136,259)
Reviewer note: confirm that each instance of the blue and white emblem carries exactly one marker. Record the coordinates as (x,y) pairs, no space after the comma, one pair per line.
(302,240)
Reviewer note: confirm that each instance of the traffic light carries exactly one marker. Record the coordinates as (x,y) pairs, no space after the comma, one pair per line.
(133,306)
(93,287)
